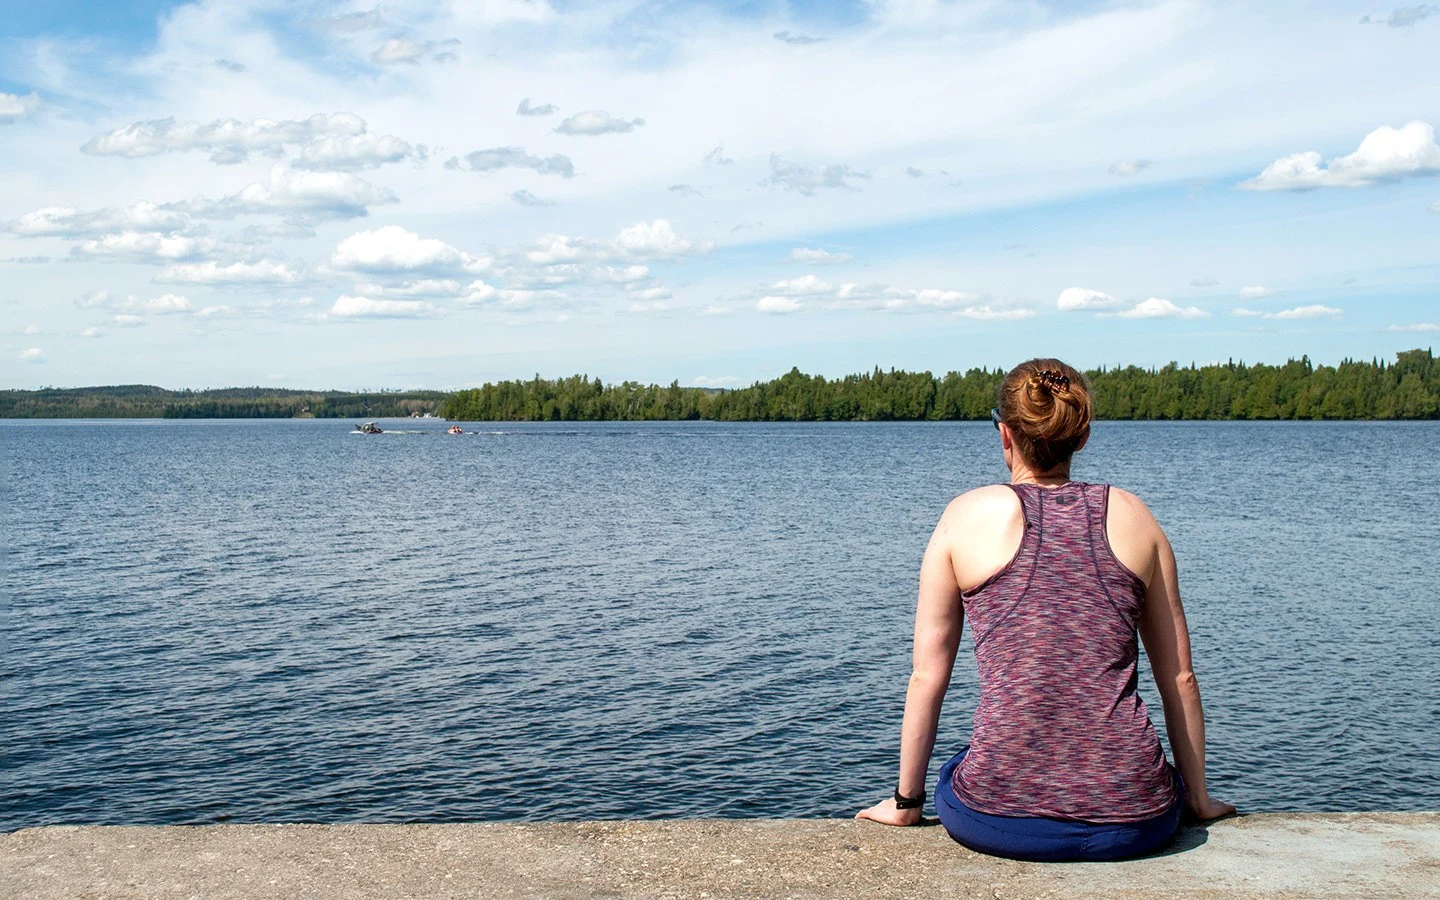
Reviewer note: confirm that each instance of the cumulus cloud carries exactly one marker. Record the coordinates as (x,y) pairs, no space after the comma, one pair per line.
(656,239)
(716,157)
(777,305)
(1255,292)
(32,355)
(392,250)
(805,284)
(596,121)
(1386,154)
(91,332)
(351,307)
(1306,312)
(125,320)
(14,107)
(146,247)
(797,39)
(1083,299)
(1403,17)
(210,272)
(338,195)
(1160,308)
(131,307)
(1423,327)
(229,141)
(525,198)
(806,180)
(814,256)
(348,152)
(497,158)
(69,222)
(545,109)
(1129,167)
(403,51)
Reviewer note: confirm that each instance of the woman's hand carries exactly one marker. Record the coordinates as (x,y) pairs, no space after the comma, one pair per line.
(885,813)
(1208,808)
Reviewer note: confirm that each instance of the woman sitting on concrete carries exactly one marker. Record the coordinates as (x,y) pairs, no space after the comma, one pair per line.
(1056,576)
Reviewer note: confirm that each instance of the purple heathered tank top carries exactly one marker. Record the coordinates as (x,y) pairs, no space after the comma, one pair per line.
(1059,730)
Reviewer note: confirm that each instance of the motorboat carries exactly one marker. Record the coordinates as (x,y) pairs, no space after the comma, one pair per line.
(454,429)
(369,428)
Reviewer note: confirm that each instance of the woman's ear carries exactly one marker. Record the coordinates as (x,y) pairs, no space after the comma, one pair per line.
(1007,440)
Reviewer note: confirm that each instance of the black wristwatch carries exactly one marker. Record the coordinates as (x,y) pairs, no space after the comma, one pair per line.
(904,802)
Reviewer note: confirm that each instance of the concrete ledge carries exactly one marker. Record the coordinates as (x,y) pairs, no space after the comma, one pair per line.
(1340,855)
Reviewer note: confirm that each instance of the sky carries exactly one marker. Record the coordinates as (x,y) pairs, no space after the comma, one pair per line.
(438,194)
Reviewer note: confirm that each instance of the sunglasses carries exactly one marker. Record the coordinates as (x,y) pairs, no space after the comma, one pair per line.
(995,417)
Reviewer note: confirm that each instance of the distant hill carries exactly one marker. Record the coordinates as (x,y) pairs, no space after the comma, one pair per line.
(145,401)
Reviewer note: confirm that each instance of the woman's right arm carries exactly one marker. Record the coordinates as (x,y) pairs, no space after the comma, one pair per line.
(1167,644)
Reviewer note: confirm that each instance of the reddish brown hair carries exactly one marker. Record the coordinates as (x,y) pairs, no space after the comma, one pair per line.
(1047,406)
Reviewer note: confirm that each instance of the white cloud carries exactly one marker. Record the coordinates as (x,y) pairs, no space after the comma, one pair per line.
(348,307)
(211,272)
(393,250)
(777,305)
(1423,327)
(714,381)
(133,305)
(806,180)
(545,109)
(656,239)
(146,247)
(497,158)
(92,299)
(650,294)
(984,313)
(817,257)
(1306,312)
(1204,281)
(525,198)
(1245,313)
(91,332)
(14,107)
(67,221)
(1129,167)
(1255,292)
(228,140)
(125,320)
(796,38)
(648,307)
(805,284)
(357,151)
(424,287)
(1160,308)
(596,121)
(339,195)
(32,355)
(714,310)
(1076,299)
(1386,154)
(31,330)
(1435,207)
(403,51)
(1404,17)
(716,157)
(210,312)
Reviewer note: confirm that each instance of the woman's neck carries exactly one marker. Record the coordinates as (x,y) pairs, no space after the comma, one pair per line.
(1023,475)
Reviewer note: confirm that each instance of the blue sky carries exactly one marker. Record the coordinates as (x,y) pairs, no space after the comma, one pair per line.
(436,194)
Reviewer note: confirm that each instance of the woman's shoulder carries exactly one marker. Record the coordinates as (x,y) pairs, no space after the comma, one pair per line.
(981,504)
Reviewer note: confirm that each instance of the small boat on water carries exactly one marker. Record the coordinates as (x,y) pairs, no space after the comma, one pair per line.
(369,428)
(454,429)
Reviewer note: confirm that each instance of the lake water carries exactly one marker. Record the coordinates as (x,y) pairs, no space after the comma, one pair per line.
(281,621)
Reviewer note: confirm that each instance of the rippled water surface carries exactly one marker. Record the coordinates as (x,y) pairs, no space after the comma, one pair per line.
(282,621)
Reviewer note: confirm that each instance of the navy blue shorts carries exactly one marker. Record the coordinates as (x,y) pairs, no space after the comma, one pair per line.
(1041,839)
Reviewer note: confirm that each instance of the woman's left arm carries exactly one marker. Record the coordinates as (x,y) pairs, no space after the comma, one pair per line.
(939,617)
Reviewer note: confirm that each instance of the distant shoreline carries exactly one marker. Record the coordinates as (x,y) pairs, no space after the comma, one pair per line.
(1408,388)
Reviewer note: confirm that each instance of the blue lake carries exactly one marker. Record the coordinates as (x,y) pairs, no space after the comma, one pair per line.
(282,621)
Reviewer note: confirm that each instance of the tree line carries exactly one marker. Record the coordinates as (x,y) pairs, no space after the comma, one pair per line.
(1408,388)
